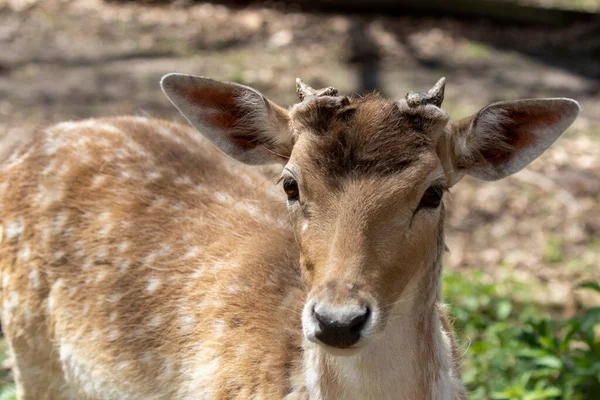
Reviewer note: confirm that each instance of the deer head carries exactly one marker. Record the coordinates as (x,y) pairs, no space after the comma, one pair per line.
(364,179)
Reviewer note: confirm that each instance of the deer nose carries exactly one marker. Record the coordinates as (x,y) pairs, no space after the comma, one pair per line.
(339,328)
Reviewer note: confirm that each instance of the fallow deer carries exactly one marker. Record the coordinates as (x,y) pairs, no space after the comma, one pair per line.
(139,262)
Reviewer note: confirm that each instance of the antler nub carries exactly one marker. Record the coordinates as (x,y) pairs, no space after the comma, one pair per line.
(305,91)
(434,96)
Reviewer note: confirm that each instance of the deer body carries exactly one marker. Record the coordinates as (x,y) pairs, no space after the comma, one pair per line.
(138,262)
(132,290)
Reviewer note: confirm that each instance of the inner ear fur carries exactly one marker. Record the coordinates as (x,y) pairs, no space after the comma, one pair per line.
(504,137)
(237,119)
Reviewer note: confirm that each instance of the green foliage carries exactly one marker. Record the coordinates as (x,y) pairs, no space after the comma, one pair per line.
(7,388)
(515,350)
(8,392)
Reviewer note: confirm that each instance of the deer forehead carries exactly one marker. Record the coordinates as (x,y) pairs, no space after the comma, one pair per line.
(363,137)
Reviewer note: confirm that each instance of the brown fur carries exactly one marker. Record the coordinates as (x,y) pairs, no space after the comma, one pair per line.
(173,226)
(138,262)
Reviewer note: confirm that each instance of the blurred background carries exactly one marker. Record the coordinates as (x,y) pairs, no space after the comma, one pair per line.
(519,247)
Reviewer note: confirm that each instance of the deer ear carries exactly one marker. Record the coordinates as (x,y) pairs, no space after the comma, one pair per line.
(504,137)
(237,119)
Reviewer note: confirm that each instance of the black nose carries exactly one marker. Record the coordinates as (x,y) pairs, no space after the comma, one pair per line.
(340,331)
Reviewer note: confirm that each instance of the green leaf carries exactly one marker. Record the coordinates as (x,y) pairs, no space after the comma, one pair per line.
(589,285)
(550,362)
(533,353)
(503,309)
(574,327)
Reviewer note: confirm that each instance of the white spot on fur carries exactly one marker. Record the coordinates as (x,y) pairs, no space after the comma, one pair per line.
(115,297)
(147,357)
(14,229)
(86,264)
(153,284)
(187,322)
(47,196)
(24,253)
(27,313)
(200,376)
(5,279)
(158,202)
(124,264)
(95,335)
(101,254)
(98,181)
(155,321)
(105,230)
(184,180)
(100,276)
(193,251)
(34,278)
(165,131)
(50,167)
(153,175)
(114,334)
(150,258)
(165,249)
(13,299)
(63,170)
(179,206)
(167,368)
(53,292)
(223,197)
(233,289)
(219,327)
(60,221)
(123,246)
(79,248)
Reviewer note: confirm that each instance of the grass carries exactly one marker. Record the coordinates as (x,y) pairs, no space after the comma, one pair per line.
(512,348)
(7,388)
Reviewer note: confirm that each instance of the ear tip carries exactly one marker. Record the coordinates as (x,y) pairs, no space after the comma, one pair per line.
(574,105)
(570,108)
(168,81)
(175,79)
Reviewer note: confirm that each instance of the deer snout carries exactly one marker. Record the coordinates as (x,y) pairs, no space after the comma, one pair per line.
(340,327)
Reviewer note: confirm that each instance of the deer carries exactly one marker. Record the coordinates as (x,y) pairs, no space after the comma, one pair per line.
(145,259)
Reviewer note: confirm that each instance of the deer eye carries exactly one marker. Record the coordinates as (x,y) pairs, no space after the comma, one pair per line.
(290,187)
(432,197)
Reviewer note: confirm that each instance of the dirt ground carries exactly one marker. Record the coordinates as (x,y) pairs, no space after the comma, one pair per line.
(64,59)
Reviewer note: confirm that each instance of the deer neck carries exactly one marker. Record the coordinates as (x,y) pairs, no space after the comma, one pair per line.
(411,359)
